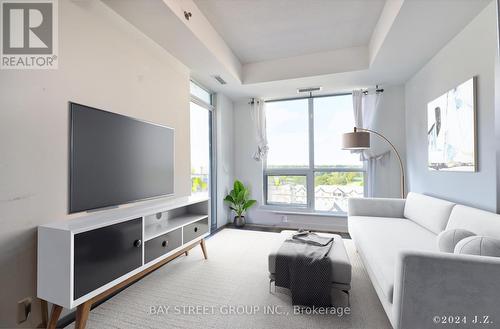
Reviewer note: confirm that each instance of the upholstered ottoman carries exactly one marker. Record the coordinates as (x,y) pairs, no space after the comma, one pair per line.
(341,266)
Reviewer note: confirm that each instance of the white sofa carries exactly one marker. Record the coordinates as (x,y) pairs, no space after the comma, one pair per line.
(415,282)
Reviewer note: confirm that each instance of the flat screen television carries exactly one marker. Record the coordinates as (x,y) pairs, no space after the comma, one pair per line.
(115,159)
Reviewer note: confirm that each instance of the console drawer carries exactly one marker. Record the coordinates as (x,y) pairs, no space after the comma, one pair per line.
(161,245)
(194,230)
(105,254)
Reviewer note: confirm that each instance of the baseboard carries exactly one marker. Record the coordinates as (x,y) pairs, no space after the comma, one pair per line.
(278,229)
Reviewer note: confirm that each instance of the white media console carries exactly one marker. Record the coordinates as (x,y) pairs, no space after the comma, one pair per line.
(84,259)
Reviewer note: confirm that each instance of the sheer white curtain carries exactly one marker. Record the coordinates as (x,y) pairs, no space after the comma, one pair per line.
(258,112)
(365,106)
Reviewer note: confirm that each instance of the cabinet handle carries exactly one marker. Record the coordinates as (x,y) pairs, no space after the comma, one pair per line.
(196,229)
(164,243)
(137,243)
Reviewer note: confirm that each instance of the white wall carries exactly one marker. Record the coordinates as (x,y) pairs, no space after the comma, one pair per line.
(249,171)
(389,121)
(106,63)
(225,155)
(471,53)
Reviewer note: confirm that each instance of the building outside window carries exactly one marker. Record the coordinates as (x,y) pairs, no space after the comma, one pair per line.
(306,169)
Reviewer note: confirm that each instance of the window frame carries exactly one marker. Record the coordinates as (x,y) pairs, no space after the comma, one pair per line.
(211,108)
(310,171)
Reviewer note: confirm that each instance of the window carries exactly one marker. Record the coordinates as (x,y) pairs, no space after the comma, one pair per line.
(306,167)
(200,149)
(200,137)
(288,190)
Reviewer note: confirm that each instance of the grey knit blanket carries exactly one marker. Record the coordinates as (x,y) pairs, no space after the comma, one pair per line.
(303,266)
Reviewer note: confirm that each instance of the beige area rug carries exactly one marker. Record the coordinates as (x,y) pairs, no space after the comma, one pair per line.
(230,290)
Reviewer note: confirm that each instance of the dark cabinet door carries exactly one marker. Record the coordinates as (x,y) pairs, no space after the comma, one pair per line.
(104,254)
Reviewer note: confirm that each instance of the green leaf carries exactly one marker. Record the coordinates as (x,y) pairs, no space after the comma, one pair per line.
(234,194)
(229,198)
(238,186)
(249,203)
(241,197)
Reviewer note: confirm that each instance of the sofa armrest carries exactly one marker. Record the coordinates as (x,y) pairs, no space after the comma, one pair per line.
(376,207)
(432,288)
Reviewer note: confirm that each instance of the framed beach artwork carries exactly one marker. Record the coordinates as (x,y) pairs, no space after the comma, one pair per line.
(451,129)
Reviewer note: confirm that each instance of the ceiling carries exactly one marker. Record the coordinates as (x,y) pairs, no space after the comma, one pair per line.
(269,48)
(261,30)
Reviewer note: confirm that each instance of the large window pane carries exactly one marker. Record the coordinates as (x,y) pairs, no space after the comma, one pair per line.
(200,148)
(332,189)
(289,190)
(287,134)
(333,116)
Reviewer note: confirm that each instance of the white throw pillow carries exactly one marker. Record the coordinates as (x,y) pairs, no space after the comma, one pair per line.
(447,240)
(479,245)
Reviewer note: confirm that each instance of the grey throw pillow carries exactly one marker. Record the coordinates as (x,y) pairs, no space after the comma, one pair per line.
(479,245)
(447,240)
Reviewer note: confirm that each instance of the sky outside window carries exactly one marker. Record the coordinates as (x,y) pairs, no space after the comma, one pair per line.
(333,116)
(287,134)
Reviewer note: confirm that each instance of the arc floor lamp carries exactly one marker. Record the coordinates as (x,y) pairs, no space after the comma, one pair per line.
(359,139)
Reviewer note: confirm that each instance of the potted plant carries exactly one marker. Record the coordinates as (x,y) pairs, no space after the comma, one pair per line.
(239,202)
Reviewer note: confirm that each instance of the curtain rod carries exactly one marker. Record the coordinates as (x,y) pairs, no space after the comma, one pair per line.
(305,97)
(252,100)
(377,90)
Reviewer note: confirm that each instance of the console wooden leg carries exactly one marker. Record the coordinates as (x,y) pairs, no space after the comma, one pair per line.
(203,248)
(44,310)
(187,252)
(54,316)
(82,314)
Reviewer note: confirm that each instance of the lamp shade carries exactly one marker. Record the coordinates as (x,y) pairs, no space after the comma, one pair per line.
(358,140)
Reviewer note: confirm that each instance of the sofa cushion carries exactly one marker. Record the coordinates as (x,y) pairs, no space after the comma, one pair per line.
(478,221)
(376,207)
(429,212)
(380,240)
(448,239)
(479,245)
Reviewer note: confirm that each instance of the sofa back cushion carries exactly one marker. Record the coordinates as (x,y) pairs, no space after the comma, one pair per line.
(478,221)
(429,212)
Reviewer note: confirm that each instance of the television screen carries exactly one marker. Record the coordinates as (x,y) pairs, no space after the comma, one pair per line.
(115,159)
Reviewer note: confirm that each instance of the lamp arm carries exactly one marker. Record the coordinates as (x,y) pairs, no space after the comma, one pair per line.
(403,194)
